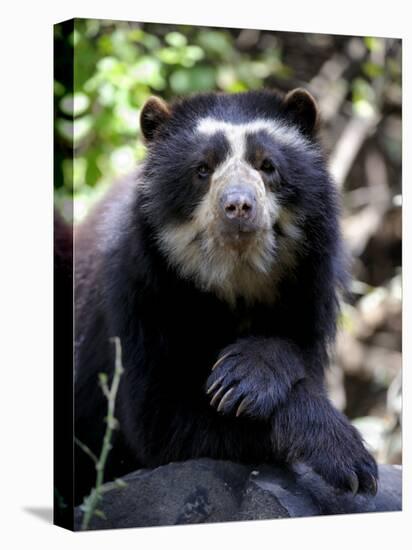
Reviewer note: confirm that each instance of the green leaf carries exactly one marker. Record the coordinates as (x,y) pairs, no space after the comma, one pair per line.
(59,89)
(127,119)
(363,97)
(74,104)
(103,378)
(148,71)
(195,80)
(74,132)
(194,53)
(79,172)
(99,514)
(150,41)
(107,64)
(93,172)
(215,42)
(372,70)
(170,56)
(123,159)
(176,39)
(120,483)
(373,44)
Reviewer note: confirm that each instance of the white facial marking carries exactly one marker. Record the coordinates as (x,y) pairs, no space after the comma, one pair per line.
(200,251)
(235,133)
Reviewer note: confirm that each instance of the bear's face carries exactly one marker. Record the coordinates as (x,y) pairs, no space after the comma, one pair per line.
(227,186)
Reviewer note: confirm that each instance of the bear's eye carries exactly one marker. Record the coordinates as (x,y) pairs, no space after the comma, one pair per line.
(203,171)
(267,166)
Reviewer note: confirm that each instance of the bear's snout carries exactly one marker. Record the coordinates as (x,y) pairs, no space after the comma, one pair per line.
(238,205)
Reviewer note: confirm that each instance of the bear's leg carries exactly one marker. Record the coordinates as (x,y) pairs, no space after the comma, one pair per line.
(254,375)
(307,428)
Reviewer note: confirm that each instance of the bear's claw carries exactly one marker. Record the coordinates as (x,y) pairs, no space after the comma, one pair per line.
(224,399)
(242,406)
(221,359)
(214,385)
(216,396)
(353,483)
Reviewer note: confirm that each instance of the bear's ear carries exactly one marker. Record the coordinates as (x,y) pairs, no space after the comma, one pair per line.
(154,113)
(300,106)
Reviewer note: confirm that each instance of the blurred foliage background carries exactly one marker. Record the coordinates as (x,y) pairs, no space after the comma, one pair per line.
(357,82)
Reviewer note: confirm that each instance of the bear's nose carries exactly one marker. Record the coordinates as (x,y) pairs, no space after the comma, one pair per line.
(239,204)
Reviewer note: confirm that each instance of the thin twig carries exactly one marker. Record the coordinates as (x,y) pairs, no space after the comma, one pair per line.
(86,450)
(91,502)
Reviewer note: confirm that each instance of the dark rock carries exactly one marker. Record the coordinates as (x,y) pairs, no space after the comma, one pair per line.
(206,491)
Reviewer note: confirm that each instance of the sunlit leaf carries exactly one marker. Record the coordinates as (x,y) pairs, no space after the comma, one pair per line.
(373,44)
(74,104)
(74,38)
(79,172)
(107,94)
(170,56)
(194,52)
(364,108)
(128,118)
(81,128)
(147,71)
(123,159)
(105,44)
(372,70)
(107,64)
(176,39)
(363,97)
(136,35)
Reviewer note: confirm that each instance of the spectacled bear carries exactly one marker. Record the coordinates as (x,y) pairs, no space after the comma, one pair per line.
(218,265)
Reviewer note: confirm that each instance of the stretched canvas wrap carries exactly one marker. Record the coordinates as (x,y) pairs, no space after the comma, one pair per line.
(227,274)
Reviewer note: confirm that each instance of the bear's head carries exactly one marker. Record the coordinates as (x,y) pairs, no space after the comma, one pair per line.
(229,184)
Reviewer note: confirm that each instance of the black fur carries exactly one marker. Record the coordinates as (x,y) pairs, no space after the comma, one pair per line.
(172,333)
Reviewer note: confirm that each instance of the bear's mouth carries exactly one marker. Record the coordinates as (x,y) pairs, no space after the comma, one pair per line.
(231,239)
(239,229)
(240,239)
